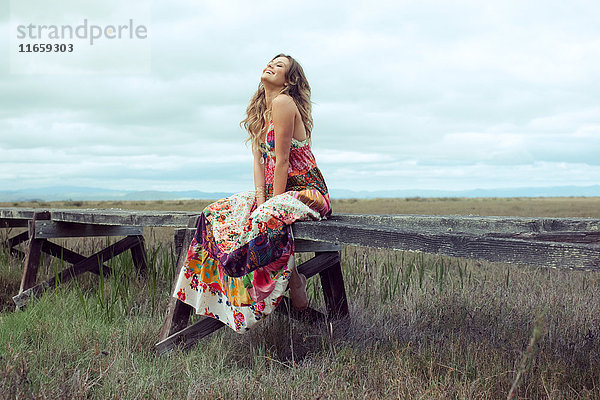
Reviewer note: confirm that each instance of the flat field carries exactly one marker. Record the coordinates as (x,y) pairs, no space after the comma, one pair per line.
(422,326)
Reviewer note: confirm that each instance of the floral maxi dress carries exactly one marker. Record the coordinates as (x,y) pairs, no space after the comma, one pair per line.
(239,261)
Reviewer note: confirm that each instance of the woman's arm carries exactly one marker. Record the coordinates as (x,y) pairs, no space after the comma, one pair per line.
(259,176)
(283,110)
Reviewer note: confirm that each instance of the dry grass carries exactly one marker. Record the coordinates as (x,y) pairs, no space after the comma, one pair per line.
(423,327)
(512,206)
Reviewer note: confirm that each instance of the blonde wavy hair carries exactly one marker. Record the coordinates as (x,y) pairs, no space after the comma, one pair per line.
(256,121)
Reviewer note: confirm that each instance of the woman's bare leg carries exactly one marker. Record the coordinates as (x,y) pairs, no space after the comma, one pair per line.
(297,284)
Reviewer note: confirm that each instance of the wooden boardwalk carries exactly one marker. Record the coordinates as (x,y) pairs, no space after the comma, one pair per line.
(572,243)
(552,242)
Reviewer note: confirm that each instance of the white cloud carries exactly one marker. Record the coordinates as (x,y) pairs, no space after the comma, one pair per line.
(407,94)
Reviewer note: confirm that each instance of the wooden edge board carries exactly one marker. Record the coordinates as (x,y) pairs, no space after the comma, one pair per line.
(13,223)
(55,229)
(188,336)
(519,251)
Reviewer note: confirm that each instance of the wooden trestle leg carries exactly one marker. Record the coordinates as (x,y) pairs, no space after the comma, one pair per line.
(332,282)
(34,253)
(178,313)
(41,228)
(138,254)
(88,264)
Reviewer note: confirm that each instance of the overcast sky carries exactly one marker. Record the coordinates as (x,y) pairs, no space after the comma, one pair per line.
(407,94)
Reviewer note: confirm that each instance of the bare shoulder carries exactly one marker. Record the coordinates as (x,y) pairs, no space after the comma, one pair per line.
(283,103)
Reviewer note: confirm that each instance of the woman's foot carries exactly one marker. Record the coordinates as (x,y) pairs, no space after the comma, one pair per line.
(298,294)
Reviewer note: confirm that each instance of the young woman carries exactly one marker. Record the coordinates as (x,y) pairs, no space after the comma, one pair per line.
(241,259)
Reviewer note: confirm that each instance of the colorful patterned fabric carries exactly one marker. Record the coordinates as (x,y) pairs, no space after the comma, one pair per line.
(239,261)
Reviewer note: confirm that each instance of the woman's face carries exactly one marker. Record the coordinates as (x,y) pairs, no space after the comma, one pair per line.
(274,73)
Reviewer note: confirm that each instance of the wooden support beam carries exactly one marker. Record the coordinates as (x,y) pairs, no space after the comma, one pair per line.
(18,239)
(332,282)
(138,253)
(53,229)
(90,263)
(15,241)
(318,263)
(70,256)
(32,258)
(13,223)
(312,246)
(187,337)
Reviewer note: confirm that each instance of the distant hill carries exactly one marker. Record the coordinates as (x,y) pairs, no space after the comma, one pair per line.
(63,193)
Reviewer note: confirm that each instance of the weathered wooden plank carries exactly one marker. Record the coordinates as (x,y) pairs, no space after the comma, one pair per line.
(13,223)
(90,263)
(310,246)
(319,263)
(562,237)
(18,212)
(34,252)
(105,216)
(571,255)
(189,336)
(124,217)
(433,223)
(53,229)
